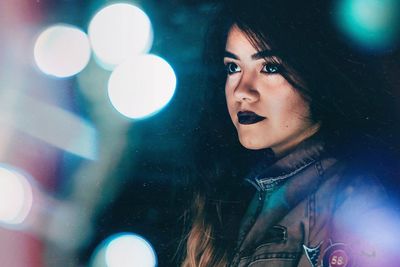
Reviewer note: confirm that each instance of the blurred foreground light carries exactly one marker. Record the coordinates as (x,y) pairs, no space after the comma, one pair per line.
(124,250)
(118,32)
(48,123)
(142,86)
(62,51)
(372,24)
(15,196)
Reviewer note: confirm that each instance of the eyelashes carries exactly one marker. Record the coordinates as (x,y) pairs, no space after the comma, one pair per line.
(269,67)
(232,68)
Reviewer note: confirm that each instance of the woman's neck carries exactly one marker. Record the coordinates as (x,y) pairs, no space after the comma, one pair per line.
(285,149)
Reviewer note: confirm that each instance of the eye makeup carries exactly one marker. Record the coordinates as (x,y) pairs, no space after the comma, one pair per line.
(231,68)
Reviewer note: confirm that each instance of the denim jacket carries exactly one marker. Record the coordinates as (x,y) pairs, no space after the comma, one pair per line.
(311,210)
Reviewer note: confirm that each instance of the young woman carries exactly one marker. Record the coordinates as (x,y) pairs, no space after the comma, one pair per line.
(316,143)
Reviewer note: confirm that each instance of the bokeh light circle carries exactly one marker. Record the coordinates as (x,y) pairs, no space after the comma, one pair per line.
(62,50)
(124,250)
(372,24)
(142,86)
(15,195)
(118,32)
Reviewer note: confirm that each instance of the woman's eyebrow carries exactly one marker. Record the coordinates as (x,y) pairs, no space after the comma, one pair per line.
(231,55)
(256,56)
(263,54)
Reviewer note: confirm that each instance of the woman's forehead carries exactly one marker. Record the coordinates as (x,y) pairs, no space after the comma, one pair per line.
(237,37)
(240,44)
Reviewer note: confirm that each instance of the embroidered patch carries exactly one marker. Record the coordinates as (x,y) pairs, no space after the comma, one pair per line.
(313,254)
(337,255)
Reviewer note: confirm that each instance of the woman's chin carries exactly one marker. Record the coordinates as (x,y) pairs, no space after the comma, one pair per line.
(252,144)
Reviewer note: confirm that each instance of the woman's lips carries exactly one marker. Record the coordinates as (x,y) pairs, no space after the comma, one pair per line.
(248,117)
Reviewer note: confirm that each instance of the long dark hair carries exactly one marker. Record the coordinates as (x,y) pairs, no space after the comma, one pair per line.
(352,104)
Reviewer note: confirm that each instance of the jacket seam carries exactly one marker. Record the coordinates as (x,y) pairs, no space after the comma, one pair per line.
(311,216)
(273,255)
(268,259)
(312,203)
(276,240)
(282,177)
(271,182)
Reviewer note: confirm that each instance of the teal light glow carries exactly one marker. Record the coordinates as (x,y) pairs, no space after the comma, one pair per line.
(372,24)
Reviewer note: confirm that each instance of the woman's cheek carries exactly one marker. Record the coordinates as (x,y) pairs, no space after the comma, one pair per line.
(277,80)
(229,86)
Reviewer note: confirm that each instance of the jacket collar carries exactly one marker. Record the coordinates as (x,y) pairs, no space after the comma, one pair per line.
(266,178)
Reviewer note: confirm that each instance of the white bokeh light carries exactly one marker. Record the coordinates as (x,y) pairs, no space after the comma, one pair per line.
(118,32)
(130,250)
(124,250)
(15,196)
(62,50)
(142,86)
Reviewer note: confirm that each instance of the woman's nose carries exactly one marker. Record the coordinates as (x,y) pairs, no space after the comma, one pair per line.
(246,90)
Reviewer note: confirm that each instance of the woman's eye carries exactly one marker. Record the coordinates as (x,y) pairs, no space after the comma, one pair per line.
(271,68)
(232,68)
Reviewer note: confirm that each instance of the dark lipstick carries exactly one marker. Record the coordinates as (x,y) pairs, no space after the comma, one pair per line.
(248,117)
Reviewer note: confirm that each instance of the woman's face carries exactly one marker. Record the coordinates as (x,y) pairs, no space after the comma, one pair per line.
(265,109)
